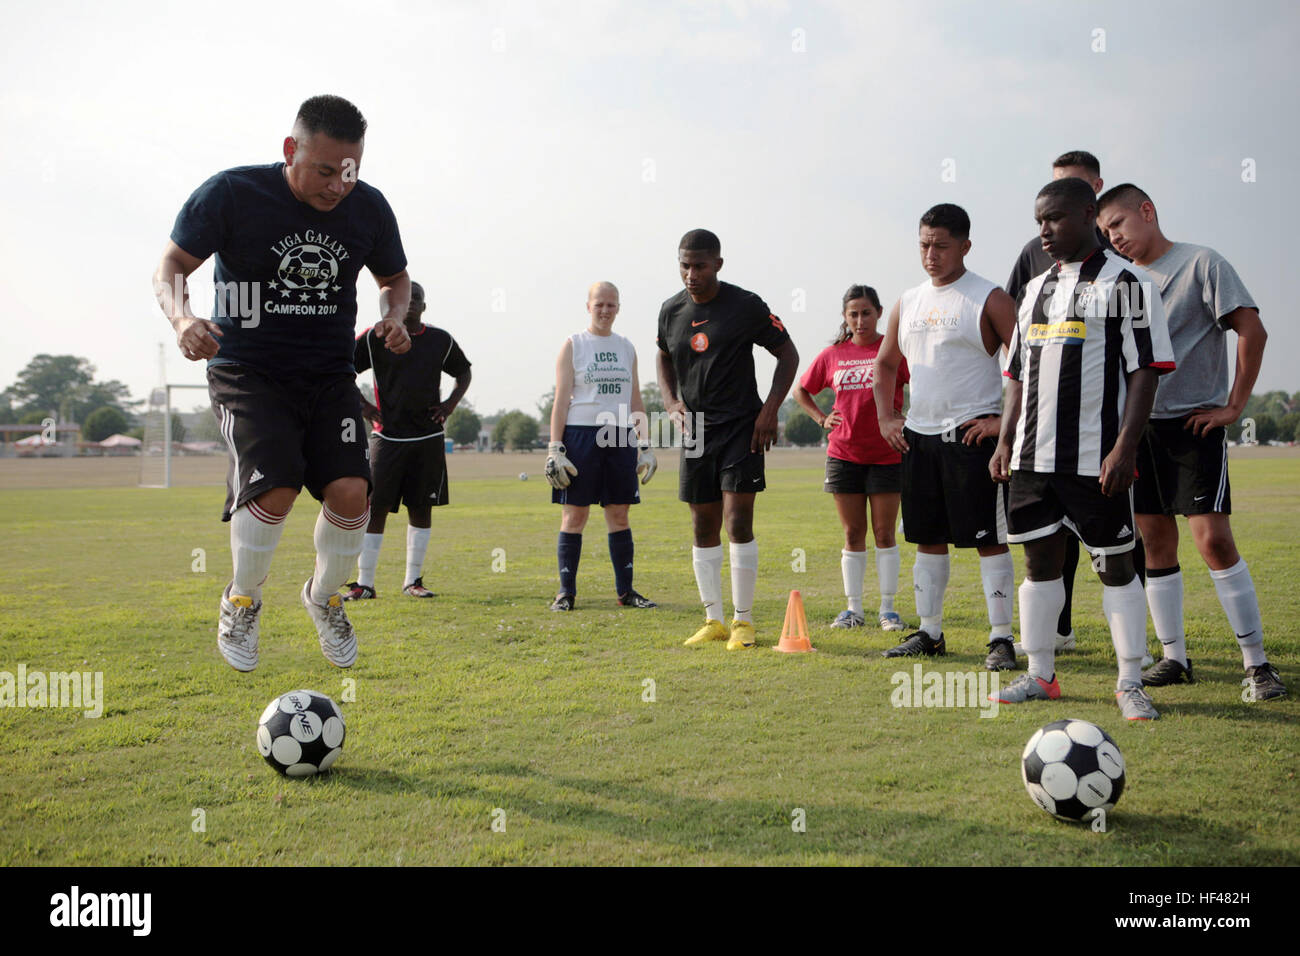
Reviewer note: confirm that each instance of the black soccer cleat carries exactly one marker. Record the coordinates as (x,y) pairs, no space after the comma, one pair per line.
(919,644)
(358,592)
(1265,682)
(562,602)
(1002,655)
(632,599)
(1167,672)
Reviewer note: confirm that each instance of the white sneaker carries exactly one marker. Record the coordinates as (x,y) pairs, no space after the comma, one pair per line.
(338,642)
(237,630)
(1064,642)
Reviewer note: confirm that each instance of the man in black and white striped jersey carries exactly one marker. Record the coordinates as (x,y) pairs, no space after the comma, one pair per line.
(1089,343)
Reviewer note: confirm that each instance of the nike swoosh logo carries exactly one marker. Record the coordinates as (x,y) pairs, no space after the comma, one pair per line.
(694,324)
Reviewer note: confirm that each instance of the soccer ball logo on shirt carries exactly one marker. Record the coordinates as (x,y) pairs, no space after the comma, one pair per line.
(308,266)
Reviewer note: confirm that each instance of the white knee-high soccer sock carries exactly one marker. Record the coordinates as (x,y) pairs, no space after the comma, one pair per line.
(1165,599)
(368,562)
(1126,613)
(708,577)
(338,542)
(853,568)
(254,534)
(744,578)
(417,542)
(930,579)
(998,574)
(1236,593)
(887,566)
(1040,606)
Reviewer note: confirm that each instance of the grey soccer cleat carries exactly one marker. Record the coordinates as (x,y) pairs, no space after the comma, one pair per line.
(338,642)
(237,630)
(1002,657)
(1135,703)
(847,618)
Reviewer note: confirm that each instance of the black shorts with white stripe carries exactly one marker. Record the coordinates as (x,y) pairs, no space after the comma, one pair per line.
(1180,473)
(948,495)
(1041,503)
(287,433)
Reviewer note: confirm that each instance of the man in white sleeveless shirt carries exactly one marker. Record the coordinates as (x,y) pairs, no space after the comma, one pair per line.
(599,445)
(950,329)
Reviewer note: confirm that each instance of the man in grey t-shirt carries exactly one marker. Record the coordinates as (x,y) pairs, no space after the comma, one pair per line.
(1183,464)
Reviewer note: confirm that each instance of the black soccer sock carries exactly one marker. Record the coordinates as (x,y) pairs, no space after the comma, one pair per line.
(1063,623)
(569,552)
(620,553)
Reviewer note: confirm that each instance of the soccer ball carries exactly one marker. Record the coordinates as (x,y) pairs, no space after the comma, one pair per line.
(523,476)
(1071,768)
(308,267)
(301,733)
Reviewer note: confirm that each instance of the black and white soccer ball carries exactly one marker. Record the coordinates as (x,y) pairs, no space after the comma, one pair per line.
(301,733)
(308,267)
(1071,768)
(523,476)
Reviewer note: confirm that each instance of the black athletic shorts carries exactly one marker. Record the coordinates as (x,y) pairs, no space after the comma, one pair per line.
(949,496)
(1041,504)
(724,463)
(850,478)
(411,473)
(287,433)
(606,463)
(1180,473)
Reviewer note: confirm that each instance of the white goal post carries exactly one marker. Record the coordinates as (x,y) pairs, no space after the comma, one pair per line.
(156,453)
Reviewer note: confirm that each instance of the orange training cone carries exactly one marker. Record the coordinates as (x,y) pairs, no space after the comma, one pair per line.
(794,633)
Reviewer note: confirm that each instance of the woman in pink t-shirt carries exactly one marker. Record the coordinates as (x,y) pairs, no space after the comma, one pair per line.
(861,468)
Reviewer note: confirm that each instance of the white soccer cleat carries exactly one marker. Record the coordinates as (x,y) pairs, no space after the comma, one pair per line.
(338,642)
(237,630)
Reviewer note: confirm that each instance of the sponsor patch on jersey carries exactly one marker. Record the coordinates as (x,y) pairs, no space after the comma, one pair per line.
(700,342)
(1058,333)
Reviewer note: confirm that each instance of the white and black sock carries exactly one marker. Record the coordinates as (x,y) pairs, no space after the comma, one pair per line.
(1126,613)
(998,574)
(887,567)
(1040,607)
(708,578)
(930,580)
(417,542)
(368,562)
(744,579)
(1236,593)
(1165,600)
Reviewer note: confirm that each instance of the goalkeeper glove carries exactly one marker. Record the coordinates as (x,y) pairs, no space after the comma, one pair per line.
(559,470)
(646,463)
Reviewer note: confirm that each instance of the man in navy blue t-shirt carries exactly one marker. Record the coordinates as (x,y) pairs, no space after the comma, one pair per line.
(290,240)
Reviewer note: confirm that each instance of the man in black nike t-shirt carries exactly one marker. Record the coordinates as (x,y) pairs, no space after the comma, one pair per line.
(707,335)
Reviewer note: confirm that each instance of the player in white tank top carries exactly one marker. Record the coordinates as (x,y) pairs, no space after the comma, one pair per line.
(949,329)
(596,383)
(954,379)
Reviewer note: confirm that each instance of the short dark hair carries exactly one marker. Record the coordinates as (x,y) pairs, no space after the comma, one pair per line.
(701,240)
(334,116)
(417,291)
(856,292)
(1079,157)
(948,216)
(1074,191)
(1125,193)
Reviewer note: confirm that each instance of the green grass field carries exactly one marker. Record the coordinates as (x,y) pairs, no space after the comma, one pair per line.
(481,705)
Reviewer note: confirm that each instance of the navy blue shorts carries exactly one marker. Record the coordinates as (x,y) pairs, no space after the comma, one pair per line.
(606,463)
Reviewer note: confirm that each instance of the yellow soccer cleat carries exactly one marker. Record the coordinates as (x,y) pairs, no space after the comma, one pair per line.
(742,636)
(711,631)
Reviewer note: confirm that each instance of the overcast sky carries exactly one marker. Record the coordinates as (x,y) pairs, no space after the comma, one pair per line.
(529,149)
